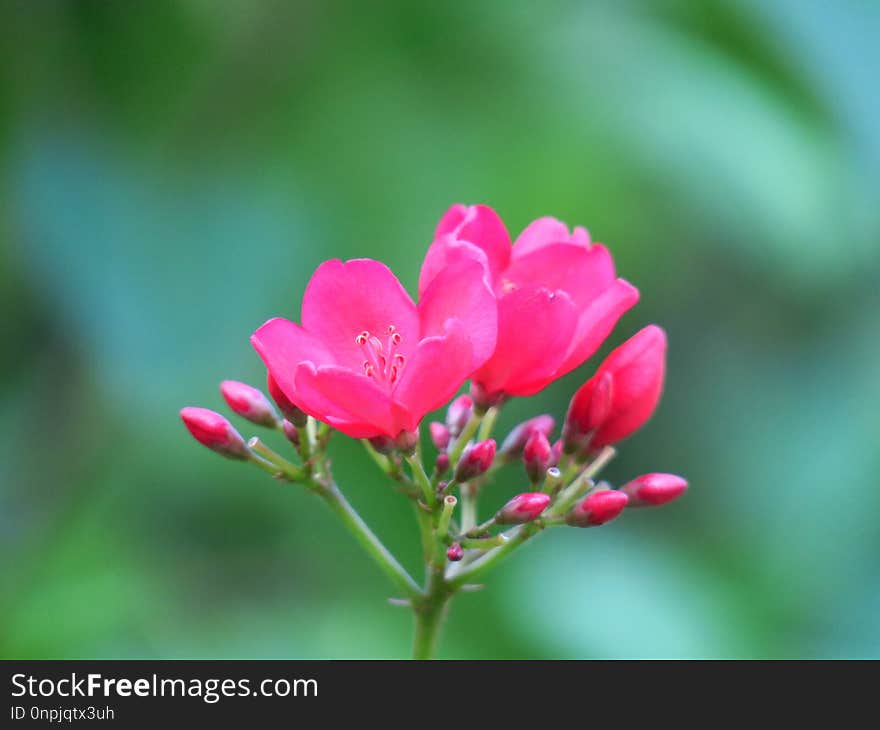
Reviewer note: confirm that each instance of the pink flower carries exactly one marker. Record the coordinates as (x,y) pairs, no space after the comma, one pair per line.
(622,395)
(366,359)
(558,295)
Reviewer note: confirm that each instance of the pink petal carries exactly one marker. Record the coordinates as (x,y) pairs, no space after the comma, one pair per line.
(596,322)
(283,345)
(444,252)
(481,226)
(535,326)
(436,370)
(351,402)
(547,230)
(582,273)
(460,292)
(344,299)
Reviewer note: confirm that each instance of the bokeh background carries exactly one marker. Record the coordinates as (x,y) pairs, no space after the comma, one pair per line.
(172,173)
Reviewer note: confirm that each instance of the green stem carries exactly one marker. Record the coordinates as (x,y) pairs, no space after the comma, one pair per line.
(488,423)
(483,563)
(421,479)
(365,536)
(467,433)
(468,507)
(431,609)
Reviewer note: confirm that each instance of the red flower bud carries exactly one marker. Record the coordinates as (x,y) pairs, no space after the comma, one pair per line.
(383,444)
(296,416)
(406,441)
(291,432)
(440,435)
(215,432)
(459,413)
(536,456)
(556,454)
(249,403)
(522,508)
(442,463)
(650,490)
(475,460)
(597,508)
(516,439)
(621,396)
(455,552)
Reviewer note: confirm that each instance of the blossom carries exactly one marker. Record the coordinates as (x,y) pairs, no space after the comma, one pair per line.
(558,295)
(622,395)
(367,360)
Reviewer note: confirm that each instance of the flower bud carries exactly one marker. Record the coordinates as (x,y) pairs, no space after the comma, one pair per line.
(459,413)
(536,456)
(651,490)
(442,463)
(214,431)
(597,508)
(475,460)
(522,508)
(296,416)
(406,441)
(383,444)
(556,454)
(516,439)
(621,396)
(440,435)
(291,432)
(249,403)
(455,553)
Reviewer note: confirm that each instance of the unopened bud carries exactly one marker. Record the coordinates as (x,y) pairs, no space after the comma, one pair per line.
(515,442)
(214,431)
(442,463)
(459,413)
(454,553)
(485,400)
(621,396)
(291,432)
(475,460)
(556,454)
(522,508)
(249,403)
(293,414)
(651,490)
(440,435)
(597,508)
(406,441)
(383,444)
(536,456)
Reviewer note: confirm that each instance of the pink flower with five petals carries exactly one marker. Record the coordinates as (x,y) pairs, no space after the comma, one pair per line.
(367,360)
(558,295)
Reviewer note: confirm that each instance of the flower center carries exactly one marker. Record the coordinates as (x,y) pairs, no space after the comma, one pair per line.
(383,363)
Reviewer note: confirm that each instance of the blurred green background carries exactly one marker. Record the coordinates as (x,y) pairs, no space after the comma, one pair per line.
(172,173)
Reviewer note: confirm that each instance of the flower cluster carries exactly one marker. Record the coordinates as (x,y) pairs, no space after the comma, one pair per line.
(369,362)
